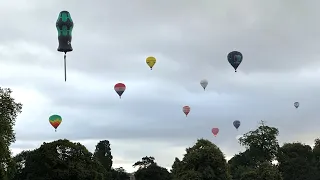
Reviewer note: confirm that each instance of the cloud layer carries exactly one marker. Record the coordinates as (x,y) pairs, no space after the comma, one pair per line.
(111,39)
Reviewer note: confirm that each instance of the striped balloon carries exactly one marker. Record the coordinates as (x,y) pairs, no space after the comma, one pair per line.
(186,110)
(120,88)
(55,121)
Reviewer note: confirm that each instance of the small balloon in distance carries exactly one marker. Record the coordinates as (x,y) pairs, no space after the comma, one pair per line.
(151,61)
(236,124)
(296,104)
(186,110)
(120,88)
(215,131)
(204,84)
(55,121)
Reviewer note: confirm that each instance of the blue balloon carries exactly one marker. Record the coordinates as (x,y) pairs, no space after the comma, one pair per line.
(236,124)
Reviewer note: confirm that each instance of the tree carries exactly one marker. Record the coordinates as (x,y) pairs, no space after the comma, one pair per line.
(316,154)
(19,165)
(261,149)
(103,154)
(145,162)
(9,110)
(203,161)
(119,174)
(61,160)
(295,162)
(264,171)
(150,170)
(241,163)
(262,143)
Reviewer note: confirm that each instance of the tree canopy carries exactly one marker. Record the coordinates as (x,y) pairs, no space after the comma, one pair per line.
(202,161)
(148,169)
(60,159)
(9,110)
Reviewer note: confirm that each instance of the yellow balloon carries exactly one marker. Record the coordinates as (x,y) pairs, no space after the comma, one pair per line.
(151,61)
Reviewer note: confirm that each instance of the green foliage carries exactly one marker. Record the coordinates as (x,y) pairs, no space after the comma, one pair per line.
(255,163)
(103,154)
(9,111)
(119,174)
(152,171)
(145,162)
(261,143)
(18,165)
(203,161)
(296,162)
(241,163)
(61,160)
(264,171)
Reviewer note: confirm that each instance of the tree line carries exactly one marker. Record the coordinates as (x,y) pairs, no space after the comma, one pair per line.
(66,160)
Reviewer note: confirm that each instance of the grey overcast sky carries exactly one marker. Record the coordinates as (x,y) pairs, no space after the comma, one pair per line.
(279,40)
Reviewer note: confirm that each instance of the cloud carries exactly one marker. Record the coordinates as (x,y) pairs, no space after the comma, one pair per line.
(190,40)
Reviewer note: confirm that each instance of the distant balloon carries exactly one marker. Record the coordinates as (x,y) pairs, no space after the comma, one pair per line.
(120,88)
(151,61)
(204,84)
(55,121)
(235,59)
(186,110)
(215,131)
(296,104)
(236,124)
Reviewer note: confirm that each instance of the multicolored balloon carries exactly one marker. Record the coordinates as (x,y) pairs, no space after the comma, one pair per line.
(120,88)
(186,110)
(64,26)
(235,59)
(215,131)
(204,84)
(55,121)
(236,124)
(151,61)
(296,104)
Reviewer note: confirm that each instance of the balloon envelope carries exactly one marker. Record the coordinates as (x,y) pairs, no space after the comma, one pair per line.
(55,121)
(204,83)
(186,110)
(296,104)
(215,131)
(151,61)
(236,124)
(64,26)
(235,59)
(119,88)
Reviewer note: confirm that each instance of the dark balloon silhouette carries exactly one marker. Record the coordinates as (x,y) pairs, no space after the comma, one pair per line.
(235,59)
(296,104)
(236,124)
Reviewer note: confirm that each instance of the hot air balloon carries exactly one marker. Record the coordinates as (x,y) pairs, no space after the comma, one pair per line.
(235,59)
(215,131)
(186,110)
(119,88)
(55,121)
(296,104)
(204,83)
(236,124)
(151,61)
(64,26)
